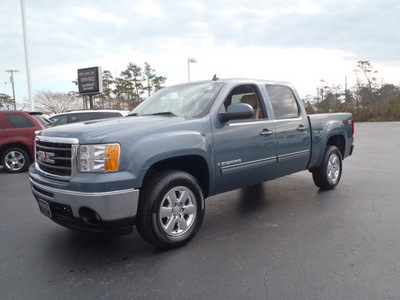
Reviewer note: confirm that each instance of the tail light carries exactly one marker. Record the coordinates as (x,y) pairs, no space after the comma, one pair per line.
(350,121)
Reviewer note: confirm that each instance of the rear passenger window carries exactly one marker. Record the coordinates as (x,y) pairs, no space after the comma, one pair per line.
(283,102)
(109,114)
(88,116)
(18,121)
(80,117)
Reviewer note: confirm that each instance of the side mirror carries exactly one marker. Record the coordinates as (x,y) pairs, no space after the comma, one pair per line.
(237,111)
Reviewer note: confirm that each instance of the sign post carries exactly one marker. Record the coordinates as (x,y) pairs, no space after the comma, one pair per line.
(90,82)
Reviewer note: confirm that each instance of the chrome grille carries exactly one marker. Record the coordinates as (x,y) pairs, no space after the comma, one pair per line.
(54,157)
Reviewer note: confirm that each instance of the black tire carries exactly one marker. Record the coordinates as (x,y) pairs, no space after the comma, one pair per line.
(171,209)
(15,160)
(327,176)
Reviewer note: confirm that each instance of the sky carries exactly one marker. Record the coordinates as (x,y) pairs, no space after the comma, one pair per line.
(299,41)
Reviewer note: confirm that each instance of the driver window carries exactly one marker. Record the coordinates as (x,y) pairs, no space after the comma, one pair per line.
(245,94)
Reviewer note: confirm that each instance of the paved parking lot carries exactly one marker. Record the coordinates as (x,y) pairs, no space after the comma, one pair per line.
(281,240)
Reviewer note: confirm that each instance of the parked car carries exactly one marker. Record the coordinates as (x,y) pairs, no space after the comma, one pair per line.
(183,144)
(85,115)
(17,137)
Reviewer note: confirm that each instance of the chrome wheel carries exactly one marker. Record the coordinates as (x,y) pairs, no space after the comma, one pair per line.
(333,168)
(14,161)
(177,211)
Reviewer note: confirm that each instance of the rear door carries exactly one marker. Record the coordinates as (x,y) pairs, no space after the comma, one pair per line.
(292,131)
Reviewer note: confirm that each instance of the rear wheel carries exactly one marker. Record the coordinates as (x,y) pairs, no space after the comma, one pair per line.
(327,176)
(15,160)
(171,209)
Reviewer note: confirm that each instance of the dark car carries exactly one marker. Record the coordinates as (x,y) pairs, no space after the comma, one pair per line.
(84,115)
(17,136)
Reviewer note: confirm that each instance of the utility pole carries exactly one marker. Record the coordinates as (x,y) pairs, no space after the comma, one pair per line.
(12,82)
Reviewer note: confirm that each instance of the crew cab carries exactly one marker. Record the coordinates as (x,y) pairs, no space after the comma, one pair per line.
(155,168)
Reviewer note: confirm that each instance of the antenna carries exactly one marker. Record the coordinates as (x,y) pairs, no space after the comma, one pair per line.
(215,78)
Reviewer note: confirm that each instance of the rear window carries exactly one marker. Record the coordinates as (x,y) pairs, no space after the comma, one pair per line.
(18,121)
(42,120)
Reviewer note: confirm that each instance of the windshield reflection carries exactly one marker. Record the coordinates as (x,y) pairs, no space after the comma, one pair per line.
(189,100)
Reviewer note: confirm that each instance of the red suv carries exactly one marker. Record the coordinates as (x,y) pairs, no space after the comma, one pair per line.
(17,136)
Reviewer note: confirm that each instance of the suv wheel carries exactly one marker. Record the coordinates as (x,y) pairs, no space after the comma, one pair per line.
(15,160)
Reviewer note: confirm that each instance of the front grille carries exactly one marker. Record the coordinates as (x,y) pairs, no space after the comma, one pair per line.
(54,157)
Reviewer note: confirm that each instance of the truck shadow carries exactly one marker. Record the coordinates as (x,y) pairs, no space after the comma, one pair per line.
(252,199)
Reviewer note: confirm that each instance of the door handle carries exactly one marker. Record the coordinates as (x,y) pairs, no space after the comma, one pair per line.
(266,132)
(301,128)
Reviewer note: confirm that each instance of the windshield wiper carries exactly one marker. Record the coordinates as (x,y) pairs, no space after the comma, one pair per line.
(164,113)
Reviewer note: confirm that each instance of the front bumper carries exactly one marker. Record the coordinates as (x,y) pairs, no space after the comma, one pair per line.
(108,211)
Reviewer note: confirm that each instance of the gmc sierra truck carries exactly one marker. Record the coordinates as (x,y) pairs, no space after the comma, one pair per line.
(154,168)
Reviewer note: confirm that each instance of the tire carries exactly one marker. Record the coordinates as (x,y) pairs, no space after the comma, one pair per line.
(15,160)
(171,209)
(327,176)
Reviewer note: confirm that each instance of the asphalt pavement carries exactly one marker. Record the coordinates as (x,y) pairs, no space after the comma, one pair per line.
(283,239)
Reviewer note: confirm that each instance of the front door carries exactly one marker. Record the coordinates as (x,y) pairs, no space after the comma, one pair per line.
(245,151)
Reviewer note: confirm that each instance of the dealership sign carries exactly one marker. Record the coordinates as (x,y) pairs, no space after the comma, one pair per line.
(90,80)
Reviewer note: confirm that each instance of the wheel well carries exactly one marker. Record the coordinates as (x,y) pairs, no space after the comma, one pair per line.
(339,142)
(22,146)
(192,164)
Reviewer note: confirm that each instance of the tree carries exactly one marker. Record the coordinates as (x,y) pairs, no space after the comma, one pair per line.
(158,83)
(366,69)
(108,81)
(5,101)
(149,75)
(55,103)
(133,83)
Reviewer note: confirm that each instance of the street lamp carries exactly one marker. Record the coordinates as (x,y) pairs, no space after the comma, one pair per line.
(190,60)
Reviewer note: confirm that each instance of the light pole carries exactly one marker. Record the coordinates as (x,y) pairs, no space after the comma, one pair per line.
(190,60)
(27,62)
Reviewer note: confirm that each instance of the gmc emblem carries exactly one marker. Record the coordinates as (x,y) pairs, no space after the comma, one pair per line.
(45,157)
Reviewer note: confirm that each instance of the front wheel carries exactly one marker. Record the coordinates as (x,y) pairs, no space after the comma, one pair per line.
(15,160)
(327,176)
(171,209)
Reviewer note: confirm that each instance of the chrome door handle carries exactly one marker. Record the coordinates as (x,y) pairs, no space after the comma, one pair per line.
(266,132)
(301,128)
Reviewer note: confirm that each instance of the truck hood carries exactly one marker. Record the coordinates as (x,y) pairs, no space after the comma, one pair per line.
(97,131)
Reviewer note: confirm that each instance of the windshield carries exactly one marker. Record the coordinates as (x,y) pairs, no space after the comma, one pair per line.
(189,100)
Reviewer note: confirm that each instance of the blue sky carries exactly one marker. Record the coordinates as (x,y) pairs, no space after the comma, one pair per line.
(300,41)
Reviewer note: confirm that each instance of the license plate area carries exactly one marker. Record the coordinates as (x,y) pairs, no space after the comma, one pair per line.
(44,207)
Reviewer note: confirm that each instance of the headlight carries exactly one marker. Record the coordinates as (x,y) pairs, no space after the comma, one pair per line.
(99,158)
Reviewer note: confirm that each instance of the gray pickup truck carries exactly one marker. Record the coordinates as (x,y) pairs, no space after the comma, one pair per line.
(154,168)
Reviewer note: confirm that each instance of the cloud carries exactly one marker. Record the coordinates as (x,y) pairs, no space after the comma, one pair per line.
(91,13)
(148,8)
(301,41)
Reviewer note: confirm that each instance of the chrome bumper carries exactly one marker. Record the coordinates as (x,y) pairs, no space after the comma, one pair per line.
(110,206)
